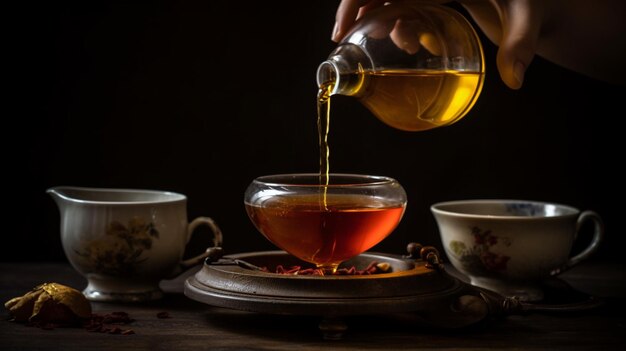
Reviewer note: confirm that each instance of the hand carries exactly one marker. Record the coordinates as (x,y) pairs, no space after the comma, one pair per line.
(516,34)
(405,32)
(574,34)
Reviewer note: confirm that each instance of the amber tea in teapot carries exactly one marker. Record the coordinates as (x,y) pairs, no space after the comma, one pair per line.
(414,66)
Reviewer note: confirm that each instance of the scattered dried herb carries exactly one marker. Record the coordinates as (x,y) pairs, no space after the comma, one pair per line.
(109,323)
(373,268)
(52,305)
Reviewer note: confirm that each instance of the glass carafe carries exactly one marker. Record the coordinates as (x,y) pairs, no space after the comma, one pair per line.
(414,66)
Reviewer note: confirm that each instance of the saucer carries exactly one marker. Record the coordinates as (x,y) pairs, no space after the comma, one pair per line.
(560,296)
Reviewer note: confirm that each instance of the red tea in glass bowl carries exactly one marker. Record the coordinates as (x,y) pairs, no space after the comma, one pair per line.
(325,224)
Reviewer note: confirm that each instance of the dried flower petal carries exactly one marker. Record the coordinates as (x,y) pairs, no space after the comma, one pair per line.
(373,268)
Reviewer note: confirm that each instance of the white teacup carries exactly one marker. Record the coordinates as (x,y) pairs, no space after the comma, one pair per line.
(125,241)
(510,246)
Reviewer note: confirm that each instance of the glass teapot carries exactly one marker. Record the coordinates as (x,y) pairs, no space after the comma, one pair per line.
(414,66)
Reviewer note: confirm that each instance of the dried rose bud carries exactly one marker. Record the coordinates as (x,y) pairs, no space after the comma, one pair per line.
(50,303)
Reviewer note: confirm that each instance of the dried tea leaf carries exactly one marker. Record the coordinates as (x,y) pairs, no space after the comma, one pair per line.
(50,303)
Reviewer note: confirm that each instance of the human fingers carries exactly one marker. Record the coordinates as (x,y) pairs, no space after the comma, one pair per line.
(521,25)
(430,43)
(348,12)
(405,36)
(411,36)
(486,15)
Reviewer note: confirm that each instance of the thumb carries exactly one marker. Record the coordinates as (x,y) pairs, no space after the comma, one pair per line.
(521,24)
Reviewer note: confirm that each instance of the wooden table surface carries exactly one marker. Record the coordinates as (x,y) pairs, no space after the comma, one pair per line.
(197,326)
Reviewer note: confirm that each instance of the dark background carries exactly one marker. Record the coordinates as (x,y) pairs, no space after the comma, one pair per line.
(201,97)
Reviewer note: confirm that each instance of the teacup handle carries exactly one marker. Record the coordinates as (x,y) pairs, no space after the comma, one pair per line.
(217,240)
(598,236)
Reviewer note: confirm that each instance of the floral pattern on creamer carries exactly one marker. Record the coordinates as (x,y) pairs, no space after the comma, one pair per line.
(119,251)
(479,258)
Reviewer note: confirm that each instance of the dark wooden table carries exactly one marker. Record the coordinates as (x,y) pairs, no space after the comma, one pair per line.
(197,326)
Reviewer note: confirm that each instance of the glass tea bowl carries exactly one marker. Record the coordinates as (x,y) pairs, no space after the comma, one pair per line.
(325,223)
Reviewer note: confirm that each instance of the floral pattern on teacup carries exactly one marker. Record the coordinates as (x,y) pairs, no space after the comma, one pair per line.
(479,257)
(119,251)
